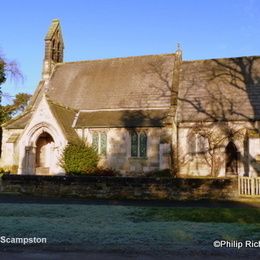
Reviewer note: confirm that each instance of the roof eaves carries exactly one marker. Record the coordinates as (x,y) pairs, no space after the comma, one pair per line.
(15,118)
(70,136)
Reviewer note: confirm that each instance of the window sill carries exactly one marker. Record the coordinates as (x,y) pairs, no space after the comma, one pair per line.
(138,158)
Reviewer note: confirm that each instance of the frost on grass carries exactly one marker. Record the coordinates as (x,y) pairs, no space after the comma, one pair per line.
(102,227)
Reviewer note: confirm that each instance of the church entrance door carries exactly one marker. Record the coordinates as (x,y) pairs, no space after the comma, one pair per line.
(44,153)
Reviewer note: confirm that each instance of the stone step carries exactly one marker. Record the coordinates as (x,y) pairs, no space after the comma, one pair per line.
(42,170)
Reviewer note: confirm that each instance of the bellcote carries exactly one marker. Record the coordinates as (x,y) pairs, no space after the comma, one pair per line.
(54,47)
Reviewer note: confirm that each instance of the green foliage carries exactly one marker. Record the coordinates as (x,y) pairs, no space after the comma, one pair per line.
(9,169)
(20,102)
(79,158)
(2,72)
(18,105)
(9,69)
(103,172)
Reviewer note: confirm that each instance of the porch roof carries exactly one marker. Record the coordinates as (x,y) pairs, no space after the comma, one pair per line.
(123,118)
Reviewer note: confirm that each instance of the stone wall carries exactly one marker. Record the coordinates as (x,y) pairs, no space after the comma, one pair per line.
(118,155)
(121,187)
(195,156)
(9,148)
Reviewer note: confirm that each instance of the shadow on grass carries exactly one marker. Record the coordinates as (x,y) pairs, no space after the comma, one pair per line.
(201,203)
(213,215)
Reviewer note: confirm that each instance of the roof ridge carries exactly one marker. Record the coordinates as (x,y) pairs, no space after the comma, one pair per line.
(221,58)
(52,28)
(122,109)
(119,58)
(35,94)
(60,105)
(29,108)
(26,112)
(71,134)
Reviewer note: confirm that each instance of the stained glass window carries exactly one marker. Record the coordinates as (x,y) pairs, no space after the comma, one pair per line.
(95,140)
(143,144)
(103,143)
(134,144)
(138,144)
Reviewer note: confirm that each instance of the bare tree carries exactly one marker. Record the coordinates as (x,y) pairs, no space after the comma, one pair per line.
(209,95)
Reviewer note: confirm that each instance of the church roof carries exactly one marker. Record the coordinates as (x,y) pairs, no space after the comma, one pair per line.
(123,118)
(18,122)
(133,82)
(219,89)
(65,117)
(136,91)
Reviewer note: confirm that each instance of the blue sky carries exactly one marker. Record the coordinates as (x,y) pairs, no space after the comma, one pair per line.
(119,28)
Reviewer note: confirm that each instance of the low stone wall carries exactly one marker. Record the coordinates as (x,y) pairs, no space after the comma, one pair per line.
(120,187)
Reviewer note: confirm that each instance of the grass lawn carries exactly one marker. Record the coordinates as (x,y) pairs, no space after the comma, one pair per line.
(129,228)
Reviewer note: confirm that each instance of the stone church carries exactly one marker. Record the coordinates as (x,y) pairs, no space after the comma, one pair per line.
(142,114)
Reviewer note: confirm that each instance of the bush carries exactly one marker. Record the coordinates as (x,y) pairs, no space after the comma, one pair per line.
(160,174)
(9,169)
(79,158)
(103,172)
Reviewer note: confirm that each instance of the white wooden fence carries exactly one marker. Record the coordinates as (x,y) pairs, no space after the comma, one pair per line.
(249,186)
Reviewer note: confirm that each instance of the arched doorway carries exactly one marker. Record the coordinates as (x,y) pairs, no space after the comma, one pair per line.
(44,153)
(231,159)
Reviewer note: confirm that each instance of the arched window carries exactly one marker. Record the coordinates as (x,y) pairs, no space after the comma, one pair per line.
(103,143)
(95,140)
(138,144)
(143,144)
(134,144)
(99,142)
(59,52)
(53,50)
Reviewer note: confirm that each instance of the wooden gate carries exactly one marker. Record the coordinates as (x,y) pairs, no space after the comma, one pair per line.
(249,186)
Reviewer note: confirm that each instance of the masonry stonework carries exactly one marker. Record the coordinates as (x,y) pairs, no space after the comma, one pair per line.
(198,118)
(122,187)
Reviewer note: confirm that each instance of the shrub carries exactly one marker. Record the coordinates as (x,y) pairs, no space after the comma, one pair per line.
(9,169)
(79,158)
(103,172)
(160,174)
